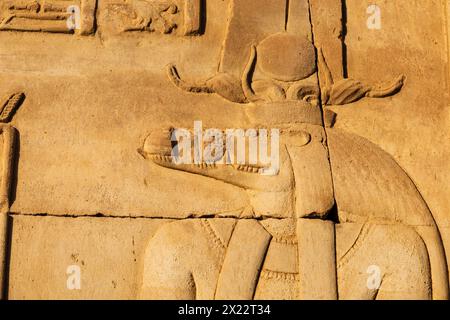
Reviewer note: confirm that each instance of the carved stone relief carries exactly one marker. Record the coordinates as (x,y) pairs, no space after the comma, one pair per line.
(181,17)
(322,206)
(62,16)
(8,147)
(238,149)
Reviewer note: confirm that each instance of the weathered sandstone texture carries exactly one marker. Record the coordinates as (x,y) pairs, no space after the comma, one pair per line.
(102,99)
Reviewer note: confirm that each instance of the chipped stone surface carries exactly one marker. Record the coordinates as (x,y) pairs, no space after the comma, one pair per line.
(93,91)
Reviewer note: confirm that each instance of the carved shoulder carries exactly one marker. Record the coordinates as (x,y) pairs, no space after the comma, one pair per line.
(370,184)
(178,251)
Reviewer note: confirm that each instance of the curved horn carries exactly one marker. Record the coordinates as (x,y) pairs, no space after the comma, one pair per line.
(385,90)
(178,82)
(245,81)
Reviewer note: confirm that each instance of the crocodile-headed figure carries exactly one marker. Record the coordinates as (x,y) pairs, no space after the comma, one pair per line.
(339,219)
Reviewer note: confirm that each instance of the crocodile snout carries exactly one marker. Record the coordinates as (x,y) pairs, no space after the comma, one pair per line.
(158,144)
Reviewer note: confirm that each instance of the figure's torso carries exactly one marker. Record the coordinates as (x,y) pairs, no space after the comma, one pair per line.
(279,277)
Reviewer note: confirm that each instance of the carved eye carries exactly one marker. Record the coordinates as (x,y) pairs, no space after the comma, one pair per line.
(304,92)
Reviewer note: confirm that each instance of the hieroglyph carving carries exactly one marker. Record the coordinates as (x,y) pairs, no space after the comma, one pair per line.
(56,16)
(182,17)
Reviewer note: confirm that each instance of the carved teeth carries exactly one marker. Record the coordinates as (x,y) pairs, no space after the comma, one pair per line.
(248,168)
(169,159)
(161,158)
(205,165)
